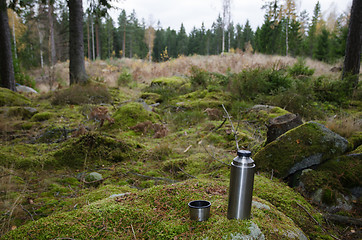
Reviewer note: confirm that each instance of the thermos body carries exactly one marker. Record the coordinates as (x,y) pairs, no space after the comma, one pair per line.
(241,186)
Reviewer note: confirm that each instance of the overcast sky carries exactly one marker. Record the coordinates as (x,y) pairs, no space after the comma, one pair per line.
(171,13)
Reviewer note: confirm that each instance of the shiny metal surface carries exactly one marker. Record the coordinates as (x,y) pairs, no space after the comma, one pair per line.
(241,186)
(199,210)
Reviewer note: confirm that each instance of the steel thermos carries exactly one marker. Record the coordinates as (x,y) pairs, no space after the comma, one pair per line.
(241,186)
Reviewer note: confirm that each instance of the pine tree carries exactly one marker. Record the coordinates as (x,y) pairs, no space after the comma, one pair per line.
(182,41)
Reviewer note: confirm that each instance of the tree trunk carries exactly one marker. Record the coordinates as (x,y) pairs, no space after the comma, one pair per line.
(77,72)
(124,41)
(353,46)
(97,40)
(14,37)
(6,60)
(88,40)
(93,55)
(52,55)
(281,125)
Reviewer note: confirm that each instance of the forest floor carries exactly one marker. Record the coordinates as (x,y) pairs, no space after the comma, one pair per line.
(145,132)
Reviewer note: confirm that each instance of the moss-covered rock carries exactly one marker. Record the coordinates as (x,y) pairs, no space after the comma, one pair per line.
(11,98)
(333,179)
(92,149)
(130,114)
(42,116)
(151,98)
(262,114)
(169,81)
(307,145)
(22,112)
(202,99)
(161,212)
(355,140)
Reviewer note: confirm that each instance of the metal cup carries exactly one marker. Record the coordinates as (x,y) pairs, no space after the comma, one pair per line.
(199,210)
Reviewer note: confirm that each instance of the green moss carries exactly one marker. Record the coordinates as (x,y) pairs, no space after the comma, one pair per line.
(290,203)
(25,156)
(42,116)
(130,114)
(28,125)
(263,115)
(355,140)
(10,98)
(311,143)
(93,149)
(169,81)
(161,212)
(202,99)
(20,112)
(151,98)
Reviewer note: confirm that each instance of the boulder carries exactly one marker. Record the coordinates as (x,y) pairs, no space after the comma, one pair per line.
(10,98)
(93,176)
(300,148)
(25,89)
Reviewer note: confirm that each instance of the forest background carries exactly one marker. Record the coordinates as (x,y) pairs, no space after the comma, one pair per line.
(284,32)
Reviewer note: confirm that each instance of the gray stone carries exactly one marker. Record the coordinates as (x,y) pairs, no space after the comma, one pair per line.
(26,89)
(260,205)
(93,176)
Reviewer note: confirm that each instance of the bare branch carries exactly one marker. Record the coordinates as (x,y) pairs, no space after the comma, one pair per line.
(235,134)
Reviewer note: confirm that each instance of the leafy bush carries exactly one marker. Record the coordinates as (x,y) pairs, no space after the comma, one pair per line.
(329,90)
(202,78)
(300,69)
(249,84)
(199,77)
(82,94)
(125,78)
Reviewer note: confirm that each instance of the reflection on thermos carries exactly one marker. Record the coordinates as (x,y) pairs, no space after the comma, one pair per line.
(241,186)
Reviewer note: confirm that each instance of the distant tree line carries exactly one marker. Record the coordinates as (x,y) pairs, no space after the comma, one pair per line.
(284,32)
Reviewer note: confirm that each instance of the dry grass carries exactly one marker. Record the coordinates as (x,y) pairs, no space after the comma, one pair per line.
(143,71)
(344,126)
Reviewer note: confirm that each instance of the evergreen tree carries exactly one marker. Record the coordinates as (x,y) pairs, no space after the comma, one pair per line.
(313,29)
(182,41)
(322,47)
(248,35)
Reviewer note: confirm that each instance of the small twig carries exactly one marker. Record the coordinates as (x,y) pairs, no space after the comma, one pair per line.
(219,126)
(310,215)
(213,156)
(134,235)
(27,212)
(272,173)
(186,173)
(235,134)
(188,148)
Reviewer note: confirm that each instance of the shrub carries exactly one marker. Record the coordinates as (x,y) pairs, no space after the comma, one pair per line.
(124,78)
(82,94)
(199,77)
(300,69)
(329,90)
(202,78)
(249,84)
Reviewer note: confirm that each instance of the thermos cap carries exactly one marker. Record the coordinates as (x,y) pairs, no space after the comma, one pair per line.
(244,153)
